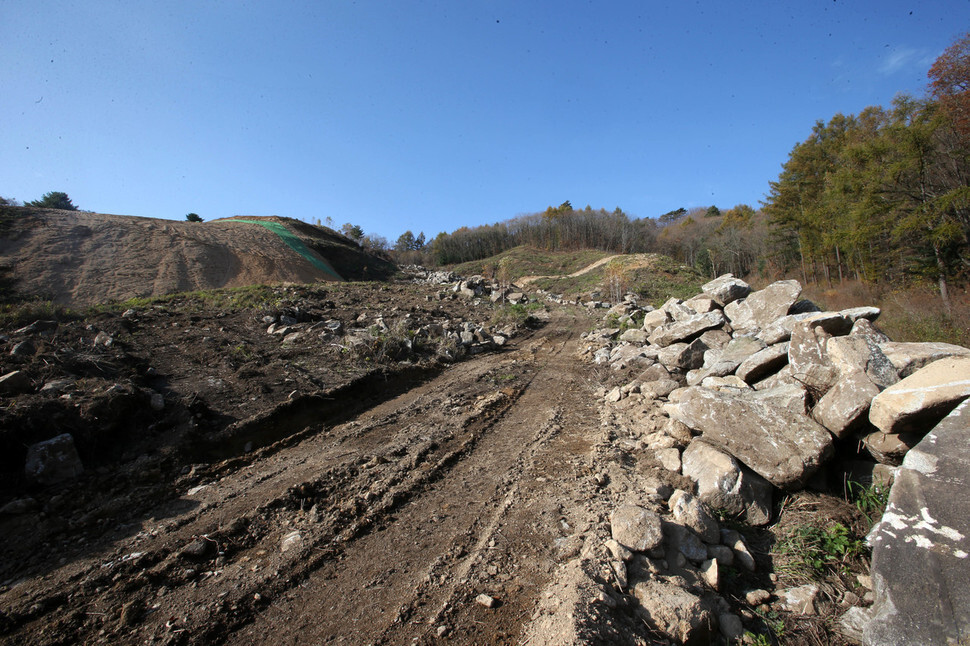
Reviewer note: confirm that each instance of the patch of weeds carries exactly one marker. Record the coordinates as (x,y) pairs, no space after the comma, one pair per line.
(811,552)
(517,314)
(871,500)
(15,315)
(774,629)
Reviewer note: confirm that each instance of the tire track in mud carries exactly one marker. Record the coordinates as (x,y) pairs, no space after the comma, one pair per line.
(378,530)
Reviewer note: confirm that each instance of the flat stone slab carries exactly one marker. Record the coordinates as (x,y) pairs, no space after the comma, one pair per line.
(781,446)
(763,306)
(907,358)
(920,548)
(921,399)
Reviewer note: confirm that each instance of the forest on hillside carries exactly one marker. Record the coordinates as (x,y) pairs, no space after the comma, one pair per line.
(881,197)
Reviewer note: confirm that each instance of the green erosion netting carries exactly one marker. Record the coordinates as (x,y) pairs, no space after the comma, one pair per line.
(295,244)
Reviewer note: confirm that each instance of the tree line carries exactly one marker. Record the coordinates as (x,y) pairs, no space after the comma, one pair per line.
(883,196)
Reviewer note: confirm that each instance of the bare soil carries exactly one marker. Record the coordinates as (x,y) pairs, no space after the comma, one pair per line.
(293,495)
(78,258)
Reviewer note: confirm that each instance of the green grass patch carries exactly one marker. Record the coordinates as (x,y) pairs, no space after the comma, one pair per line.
(811,552)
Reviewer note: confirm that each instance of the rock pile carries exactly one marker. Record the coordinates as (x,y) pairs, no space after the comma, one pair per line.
(744,393)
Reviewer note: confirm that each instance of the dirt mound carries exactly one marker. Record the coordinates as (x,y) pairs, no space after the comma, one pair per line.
(76,258)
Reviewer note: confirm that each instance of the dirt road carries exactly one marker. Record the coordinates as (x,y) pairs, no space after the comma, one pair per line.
(384,528)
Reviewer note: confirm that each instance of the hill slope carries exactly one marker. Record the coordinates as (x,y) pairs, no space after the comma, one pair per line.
(76,258)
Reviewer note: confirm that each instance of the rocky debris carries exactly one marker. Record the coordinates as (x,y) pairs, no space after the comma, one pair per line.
(920,563)
(768,396)
(53,461)
(486,601)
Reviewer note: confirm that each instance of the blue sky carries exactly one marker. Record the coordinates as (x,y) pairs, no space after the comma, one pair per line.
(430,115)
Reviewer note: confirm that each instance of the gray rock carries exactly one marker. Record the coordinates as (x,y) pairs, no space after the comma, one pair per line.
(691,512)
(851,354)
(800,600)
(685,329)
(680,539)
(634,336)
(791,397)
(38,327)
(742,555)
(783,447)
(763,363)
(867,313)
(920,400)
(675,612)
(23,349)
(764,306)
(636,528)
(683,356)
(14,383)
(920,560)
(723,554)
(722,483)
(846,405)
(659,388)
(808,359)
(864,327)
(655,319)
(157,402)
(907,358)
(890,448)
(702,303)
(731,627)
(853,623)
(53,461)
(726,289)
(677,310)
(780,330)
(669,459)
(730,384)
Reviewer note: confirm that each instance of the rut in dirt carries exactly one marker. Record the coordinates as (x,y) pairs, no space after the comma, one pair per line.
(381,529)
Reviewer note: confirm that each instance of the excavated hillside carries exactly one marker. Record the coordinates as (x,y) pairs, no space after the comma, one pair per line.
(75,258)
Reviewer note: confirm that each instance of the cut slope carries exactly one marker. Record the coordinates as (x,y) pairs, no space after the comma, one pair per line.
(76,258)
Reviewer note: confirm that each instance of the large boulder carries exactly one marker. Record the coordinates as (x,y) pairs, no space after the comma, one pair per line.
(845,406)
(764,306)
(907,358)
(726,289)
(682,330)
(808,358)
(920,560)
(723,483)
(860,353)
(923,398)
(763,363)
(783,447)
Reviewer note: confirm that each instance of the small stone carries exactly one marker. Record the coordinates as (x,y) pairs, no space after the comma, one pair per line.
(157,402)
(196,549)
(711,574)
(636,528)
(23,349)
(485,600)
(441,631)
(293,540)
(800,600)
(15,382)
(618,551)
(757,597)
(731,627)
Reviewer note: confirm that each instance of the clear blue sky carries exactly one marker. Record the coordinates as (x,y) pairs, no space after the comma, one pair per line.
(428,116)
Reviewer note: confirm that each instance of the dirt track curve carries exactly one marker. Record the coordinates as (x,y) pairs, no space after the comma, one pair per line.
(382,529)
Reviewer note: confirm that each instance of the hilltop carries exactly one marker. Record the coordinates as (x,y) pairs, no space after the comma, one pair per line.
(77,258)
